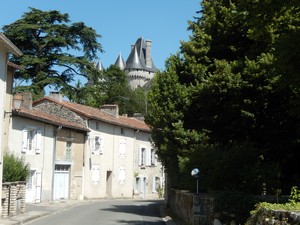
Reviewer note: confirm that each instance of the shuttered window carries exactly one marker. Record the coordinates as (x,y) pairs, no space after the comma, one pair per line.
(31,143)
(98,145)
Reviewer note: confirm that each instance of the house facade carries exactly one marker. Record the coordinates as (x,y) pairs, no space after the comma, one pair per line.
(6,77)
(53,148)
(119,161)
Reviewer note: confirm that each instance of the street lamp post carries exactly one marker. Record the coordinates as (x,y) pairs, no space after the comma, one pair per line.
(195,174)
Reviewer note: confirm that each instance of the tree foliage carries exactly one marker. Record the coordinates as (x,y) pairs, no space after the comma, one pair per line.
(14,168)
(109,86)
(228,100)
(54,49)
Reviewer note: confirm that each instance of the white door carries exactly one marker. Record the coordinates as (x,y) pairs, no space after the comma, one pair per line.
(144,187)
(34,185)
(61,182)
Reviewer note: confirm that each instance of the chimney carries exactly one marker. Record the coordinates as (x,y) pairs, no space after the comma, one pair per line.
(148,54)
(27,100)
(56,95)
(139,116)
(112,110)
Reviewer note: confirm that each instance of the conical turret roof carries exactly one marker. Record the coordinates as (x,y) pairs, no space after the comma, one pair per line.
(137,57)
(134,61)
(120,62)
(99,66)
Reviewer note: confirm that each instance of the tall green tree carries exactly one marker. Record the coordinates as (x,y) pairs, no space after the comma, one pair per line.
(224,96)
(109,86)
(56,51)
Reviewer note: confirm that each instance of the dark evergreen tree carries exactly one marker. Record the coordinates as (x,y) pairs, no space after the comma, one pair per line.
(55,51)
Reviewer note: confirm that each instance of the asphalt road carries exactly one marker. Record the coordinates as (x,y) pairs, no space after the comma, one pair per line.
(107,212)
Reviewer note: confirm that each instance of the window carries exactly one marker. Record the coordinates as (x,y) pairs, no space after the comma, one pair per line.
(30,179)
(98,145)
(97,126)
(68,149)
(31,143)
(156,184)
(137,187)
(122,131)
(144,157)
(62,167)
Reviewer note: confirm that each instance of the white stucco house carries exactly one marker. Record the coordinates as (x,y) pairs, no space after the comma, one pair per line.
(119,161)
(6,77)
(53,147)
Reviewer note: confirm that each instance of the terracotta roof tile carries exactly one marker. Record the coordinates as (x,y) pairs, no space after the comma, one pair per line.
(97,114)
(48,118)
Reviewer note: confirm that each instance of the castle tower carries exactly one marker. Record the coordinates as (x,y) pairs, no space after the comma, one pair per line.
(139,65)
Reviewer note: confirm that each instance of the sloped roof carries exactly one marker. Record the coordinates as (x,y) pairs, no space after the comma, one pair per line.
(38,115)
(97,114)
(134,61)
(137,57)
(9,45)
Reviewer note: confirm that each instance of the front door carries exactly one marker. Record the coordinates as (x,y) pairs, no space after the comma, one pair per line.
(61,182)
(109,183)
(34,185)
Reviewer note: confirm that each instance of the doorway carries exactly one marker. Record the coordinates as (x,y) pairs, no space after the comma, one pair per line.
(109,183)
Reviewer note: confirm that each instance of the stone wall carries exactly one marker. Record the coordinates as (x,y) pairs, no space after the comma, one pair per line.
(13,198)
(199,209)
(193,209)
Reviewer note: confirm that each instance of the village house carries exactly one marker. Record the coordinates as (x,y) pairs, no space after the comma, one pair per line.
(75,151)
(6,77)
(119,161)
(53,147)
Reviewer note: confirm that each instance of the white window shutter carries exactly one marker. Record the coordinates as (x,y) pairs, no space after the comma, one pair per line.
(155,159)
(122,148)
(148,157)
(153,185)
(25,140)
(92,145)
(38,144)
(140,156)
(122,174)
(95,150)
(38,186)
(95,173)
(101,145)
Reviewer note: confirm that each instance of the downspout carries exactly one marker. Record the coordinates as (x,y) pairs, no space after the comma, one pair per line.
(133,160)
(54,158)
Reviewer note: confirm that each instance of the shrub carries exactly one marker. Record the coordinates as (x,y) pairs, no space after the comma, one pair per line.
(233,206)
(14,168)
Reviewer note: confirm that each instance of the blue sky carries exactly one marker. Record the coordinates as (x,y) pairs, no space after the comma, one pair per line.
(120,22)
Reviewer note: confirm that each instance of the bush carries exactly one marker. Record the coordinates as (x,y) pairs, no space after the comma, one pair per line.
(275,211)
(14,168)
(235,206)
